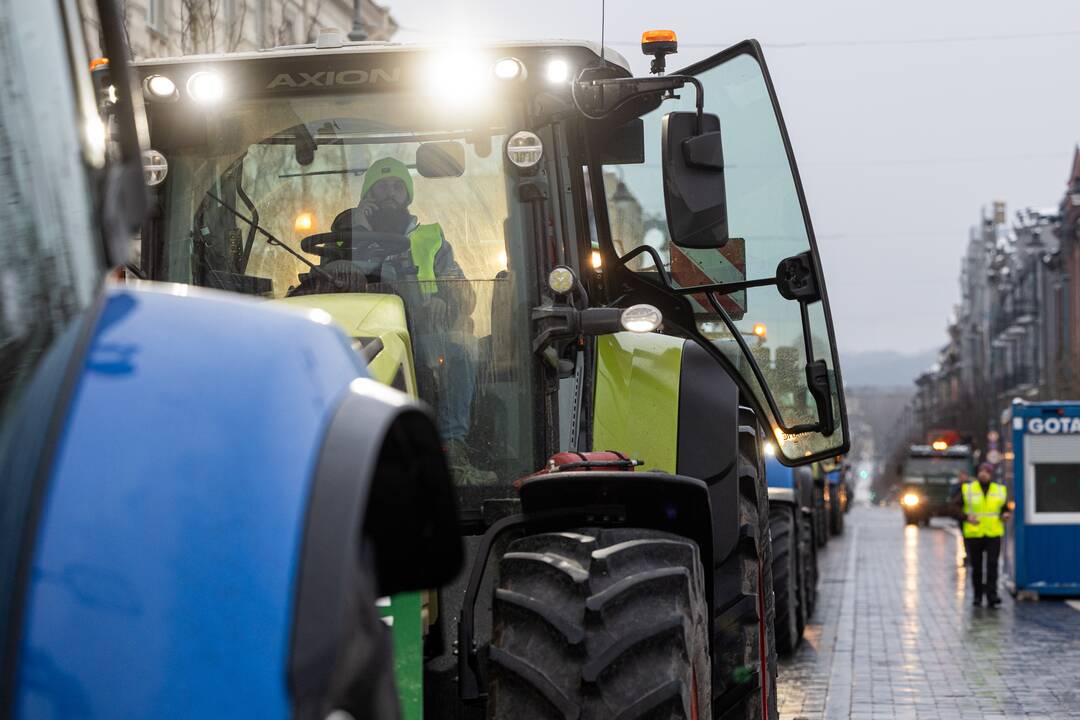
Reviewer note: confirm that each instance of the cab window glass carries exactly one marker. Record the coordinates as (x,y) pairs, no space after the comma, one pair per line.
(48,268)
(48,264)
(766,225)
(323,200)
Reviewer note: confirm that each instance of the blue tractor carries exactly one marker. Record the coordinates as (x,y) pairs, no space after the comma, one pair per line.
(794,560)
(203,497)
(839,495)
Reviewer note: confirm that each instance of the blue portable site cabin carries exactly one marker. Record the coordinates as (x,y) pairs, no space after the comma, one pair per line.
(1042,553)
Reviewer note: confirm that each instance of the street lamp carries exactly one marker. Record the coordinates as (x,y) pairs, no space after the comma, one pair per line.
(357,33)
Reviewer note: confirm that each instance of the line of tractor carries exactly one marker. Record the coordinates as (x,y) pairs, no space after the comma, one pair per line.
(368,268)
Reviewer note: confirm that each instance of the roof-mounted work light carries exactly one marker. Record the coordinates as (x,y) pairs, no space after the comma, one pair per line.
(509,68)
(558,72)
(160,87)
(206,86)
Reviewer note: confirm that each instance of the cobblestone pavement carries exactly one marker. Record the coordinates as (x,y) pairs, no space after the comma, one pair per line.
(895,636)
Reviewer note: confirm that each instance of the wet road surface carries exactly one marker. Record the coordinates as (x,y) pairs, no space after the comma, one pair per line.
(895,635)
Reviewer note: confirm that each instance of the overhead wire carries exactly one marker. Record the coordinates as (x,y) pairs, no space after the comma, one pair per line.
(810,44)
(884,41)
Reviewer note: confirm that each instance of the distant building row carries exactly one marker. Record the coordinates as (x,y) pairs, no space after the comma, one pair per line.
(1016,331)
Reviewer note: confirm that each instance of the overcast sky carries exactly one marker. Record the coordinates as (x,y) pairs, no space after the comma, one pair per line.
(906,118)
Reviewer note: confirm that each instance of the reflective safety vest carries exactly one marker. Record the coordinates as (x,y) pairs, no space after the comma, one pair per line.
(987,508)
(424,243)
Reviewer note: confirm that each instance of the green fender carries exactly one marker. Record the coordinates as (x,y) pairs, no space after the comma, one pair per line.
(637,397)
(382,316)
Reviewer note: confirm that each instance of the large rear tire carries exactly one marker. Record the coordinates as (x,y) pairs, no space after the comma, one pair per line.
(821,517)
(785,567)
(836,521)
(808,570)
(744,645)
(598,624)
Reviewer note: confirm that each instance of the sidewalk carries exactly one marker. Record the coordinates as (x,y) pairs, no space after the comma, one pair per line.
(895,636)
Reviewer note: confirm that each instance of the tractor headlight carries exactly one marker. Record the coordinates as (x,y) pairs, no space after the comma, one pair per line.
(910,499)
(641,319)
(561,280)
(155,167)
(524,149)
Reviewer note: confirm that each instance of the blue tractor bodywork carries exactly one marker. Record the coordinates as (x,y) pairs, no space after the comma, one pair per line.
(207,445)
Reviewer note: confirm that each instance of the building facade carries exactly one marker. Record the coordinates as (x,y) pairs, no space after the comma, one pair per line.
(1068,234)
(167,28)
(1014,334)
(1023,280)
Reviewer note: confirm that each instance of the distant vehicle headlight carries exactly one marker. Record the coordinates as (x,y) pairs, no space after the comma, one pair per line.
(910,499)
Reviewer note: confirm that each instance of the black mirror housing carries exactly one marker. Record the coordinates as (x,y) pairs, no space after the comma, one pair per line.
(705,152)
(440,159)
(694,194)
(622,144)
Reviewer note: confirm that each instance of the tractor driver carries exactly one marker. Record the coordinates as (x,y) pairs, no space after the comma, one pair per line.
(443,323)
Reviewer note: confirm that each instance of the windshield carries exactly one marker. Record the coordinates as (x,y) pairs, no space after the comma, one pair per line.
(327,201)
(935,468)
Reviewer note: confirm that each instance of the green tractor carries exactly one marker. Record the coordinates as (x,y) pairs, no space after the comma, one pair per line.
(931,478)
(608,289)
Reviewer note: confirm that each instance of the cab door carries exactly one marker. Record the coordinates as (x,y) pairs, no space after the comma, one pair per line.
(770,325)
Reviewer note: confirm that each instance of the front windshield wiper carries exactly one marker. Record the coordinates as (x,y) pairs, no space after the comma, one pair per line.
(272,240)
(346,171)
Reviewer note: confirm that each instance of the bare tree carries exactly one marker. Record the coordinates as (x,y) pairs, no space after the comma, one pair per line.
(285,29)
(234,25)
(201,21)
(311,20)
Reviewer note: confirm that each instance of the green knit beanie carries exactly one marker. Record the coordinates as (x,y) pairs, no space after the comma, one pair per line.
(384,168)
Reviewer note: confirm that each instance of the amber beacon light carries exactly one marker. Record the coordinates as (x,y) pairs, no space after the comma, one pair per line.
(659,44)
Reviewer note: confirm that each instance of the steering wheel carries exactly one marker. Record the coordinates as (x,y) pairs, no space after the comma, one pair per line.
(355,244)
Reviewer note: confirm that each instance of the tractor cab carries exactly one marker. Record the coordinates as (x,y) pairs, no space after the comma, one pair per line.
(509,162)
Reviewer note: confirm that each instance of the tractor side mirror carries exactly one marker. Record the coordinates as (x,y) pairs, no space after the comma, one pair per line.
(694,195)
(440,159)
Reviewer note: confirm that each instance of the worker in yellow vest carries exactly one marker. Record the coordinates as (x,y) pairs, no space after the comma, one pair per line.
(444,319)
(983,507)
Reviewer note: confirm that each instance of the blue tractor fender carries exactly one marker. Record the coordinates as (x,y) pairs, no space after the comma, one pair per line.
(787,484)
(781,481)
(210,511)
